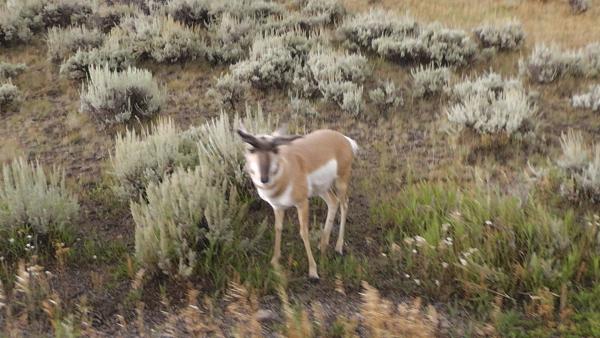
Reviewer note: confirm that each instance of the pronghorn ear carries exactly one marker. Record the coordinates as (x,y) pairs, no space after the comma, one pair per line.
(247,137)
(282,140)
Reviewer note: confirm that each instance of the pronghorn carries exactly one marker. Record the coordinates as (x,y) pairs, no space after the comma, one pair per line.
(288,170)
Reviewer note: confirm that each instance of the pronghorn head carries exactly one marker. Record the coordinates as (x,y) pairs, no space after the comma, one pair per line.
(263,160)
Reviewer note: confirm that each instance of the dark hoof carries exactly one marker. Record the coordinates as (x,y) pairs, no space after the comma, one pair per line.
(339,254)
(313,280)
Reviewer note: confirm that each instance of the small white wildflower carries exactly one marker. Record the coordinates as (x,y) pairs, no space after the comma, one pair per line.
(417,281)
(95,257)
(29,236)
(383,254)
(420,240)
(444,265)
(488,223)
(406,276)
(445,227)
(437,282)
(11,240)
(414,251)
(463,261)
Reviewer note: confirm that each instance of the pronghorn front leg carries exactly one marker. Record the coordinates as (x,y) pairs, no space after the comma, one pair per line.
(303,218)
(279,214)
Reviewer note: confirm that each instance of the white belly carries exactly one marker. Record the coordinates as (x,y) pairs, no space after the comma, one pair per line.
(321,180)
(282,201)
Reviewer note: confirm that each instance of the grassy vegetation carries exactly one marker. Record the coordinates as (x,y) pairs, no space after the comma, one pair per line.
(474,202)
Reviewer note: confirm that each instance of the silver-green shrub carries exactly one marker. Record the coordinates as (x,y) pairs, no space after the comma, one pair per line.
(508,35)
(115,97)
(359,31)
(273,60)
(259,9)
(10,97)
(195,209)
(183,215)
(11,70)
(64,41)
(228,91)
(301,107)
(149,156)
(429,44)
(29,197)
(489,84)
(490,113)
(429,80)
(230,38)
(115,53)
(17,18)
(163,39)
(191,12)
(591,60)
(548,63)
(589,100)
(386,97)
(323,12)
(581,164)
(338,77)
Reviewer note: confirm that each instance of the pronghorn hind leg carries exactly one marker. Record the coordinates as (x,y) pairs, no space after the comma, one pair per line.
(279,214)
(342,192)
(332,207)
(303,218)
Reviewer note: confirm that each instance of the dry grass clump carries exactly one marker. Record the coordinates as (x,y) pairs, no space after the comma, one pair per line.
(508,35)
(589,100)
(32,198)
(430,80)
(62,42)
(116,97)
(581,163)
(163,39)
(407,320)
(10,97)
(11,70)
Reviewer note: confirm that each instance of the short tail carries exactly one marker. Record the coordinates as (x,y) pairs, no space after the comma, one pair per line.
(353,144)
